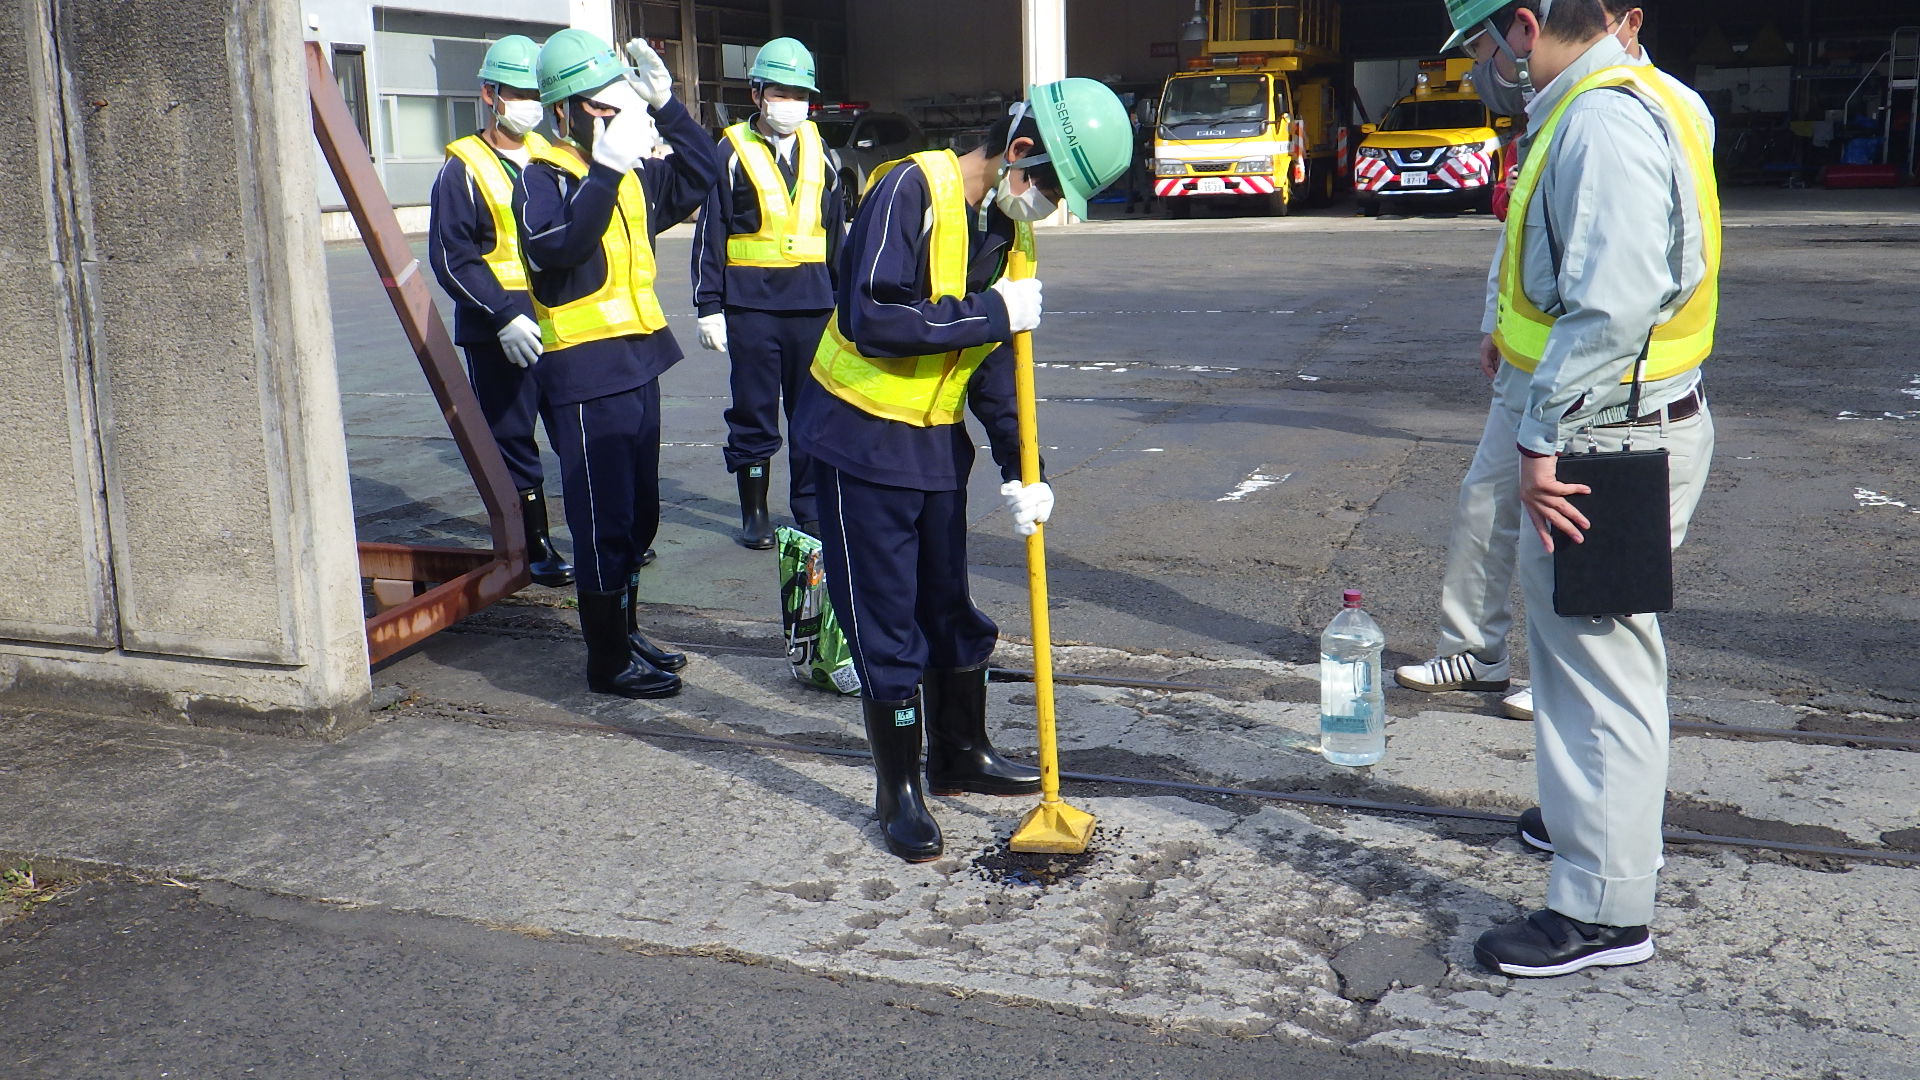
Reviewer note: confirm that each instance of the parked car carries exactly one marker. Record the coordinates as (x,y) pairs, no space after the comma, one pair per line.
(859,141)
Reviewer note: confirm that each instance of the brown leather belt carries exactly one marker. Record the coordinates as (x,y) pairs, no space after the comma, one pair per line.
(1674,411)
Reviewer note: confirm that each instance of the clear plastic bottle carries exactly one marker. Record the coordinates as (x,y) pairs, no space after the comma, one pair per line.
(1353,714)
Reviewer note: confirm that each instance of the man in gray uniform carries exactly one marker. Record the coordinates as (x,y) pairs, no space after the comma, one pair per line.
(1475,618)
(1611,262)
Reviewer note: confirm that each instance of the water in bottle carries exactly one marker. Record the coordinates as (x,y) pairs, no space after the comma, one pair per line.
(1353,716)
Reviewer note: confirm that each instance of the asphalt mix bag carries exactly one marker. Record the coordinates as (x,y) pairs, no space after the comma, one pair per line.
(816,649)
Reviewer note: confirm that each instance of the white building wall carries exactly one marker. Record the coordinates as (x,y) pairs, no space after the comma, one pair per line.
(426,48)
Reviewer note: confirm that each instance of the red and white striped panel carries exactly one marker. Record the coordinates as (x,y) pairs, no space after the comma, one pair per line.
(1370,174)
(1468,170)
(1178,186)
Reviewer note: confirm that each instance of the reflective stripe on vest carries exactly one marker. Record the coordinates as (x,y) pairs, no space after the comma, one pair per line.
(791,232)
(925,391)
(1681,343)
(489,174)
(625,304)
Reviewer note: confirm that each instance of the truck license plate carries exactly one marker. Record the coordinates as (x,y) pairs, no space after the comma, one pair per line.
(1213,186)
(1413,179)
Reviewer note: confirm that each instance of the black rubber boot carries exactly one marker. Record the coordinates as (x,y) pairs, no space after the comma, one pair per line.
(893,731)
(645,647)
(611,666)
(959,757)
(756,528)
(546,565)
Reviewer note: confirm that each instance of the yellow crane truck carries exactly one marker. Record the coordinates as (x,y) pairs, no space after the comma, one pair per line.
(1257,117)
(1437,147)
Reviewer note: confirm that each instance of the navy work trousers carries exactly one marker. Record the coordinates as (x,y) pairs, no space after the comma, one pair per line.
(510,400)
(896,562)
(609,451)
(771,354)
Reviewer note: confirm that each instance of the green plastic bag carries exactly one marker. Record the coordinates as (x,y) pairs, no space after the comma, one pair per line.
(816,648)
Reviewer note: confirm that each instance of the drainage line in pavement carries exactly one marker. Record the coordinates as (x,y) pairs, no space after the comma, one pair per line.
(1338,802)
(1877,742)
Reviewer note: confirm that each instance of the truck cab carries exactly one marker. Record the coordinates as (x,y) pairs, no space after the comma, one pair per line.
(1437,147)
(1254,117)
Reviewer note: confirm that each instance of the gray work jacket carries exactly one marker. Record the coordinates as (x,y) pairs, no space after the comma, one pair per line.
(1614,246)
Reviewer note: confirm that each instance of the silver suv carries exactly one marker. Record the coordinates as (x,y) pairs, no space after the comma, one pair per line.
(859,142)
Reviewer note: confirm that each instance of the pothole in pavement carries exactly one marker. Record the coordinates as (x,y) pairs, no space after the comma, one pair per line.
(1001,865)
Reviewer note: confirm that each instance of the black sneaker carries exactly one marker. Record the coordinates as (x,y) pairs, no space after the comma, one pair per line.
(1533,830)
(1548,943)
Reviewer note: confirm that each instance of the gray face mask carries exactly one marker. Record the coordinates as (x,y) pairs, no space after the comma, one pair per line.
(1503,97)
(1496,93)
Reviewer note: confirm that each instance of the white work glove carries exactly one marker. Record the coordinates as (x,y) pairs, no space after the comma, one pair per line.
(620,94)
(713,332)
(649,77)
(621,142)
(520,340)
(1030,505)
(1023,301)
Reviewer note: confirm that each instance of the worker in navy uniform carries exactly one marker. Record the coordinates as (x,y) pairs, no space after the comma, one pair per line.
(474,248)
(588,208)
(763,256)
(924,305)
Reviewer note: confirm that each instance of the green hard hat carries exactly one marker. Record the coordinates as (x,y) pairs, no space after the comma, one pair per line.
(510,62)
(1088,136)
(1466,16)
(784,61)
(575,62)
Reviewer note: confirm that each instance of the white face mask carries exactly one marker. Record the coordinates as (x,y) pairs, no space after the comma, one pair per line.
(785,117)
(1029,205)
(516,118)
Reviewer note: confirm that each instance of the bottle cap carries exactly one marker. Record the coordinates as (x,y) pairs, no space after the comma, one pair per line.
(1352,597)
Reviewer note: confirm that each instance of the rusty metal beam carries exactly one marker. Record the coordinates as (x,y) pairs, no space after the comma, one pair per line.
(411,562)
(470,580)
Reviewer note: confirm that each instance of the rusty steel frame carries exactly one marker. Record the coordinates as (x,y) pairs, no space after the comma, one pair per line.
(469,579)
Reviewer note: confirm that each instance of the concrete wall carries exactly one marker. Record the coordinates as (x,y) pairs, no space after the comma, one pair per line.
(176,482)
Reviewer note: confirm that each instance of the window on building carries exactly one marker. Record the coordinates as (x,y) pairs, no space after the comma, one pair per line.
(419,126)
(350,71)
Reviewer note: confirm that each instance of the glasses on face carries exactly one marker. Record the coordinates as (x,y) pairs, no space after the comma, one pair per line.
(1471,47)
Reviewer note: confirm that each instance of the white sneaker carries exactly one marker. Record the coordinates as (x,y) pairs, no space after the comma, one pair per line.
(1518,704)
(1461,671)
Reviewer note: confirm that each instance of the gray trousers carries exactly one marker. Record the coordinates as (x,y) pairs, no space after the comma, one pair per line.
(1600,699)
(1474,613)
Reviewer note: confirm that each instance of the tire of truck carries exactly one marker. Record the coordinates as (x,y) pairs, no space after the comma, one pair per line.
(1323,184)
(850,185)
(1280,203)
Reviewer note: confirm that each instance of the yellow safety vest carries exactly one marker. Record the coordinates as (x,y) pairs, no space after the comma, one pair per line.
(1681,343)
(791,232)
(625,304)
(496,189)
(924,391)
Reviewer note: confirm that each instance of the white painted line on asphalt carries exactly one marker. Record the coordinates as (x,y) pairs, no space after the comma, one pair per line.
(1255,481)
(1868,497)
(1849,414)
(1110,367)
(1184,311)
(1106,449)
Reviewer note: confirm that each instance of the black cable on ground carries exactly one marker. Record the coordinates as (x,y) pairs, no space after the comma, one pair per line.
(1340,802)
